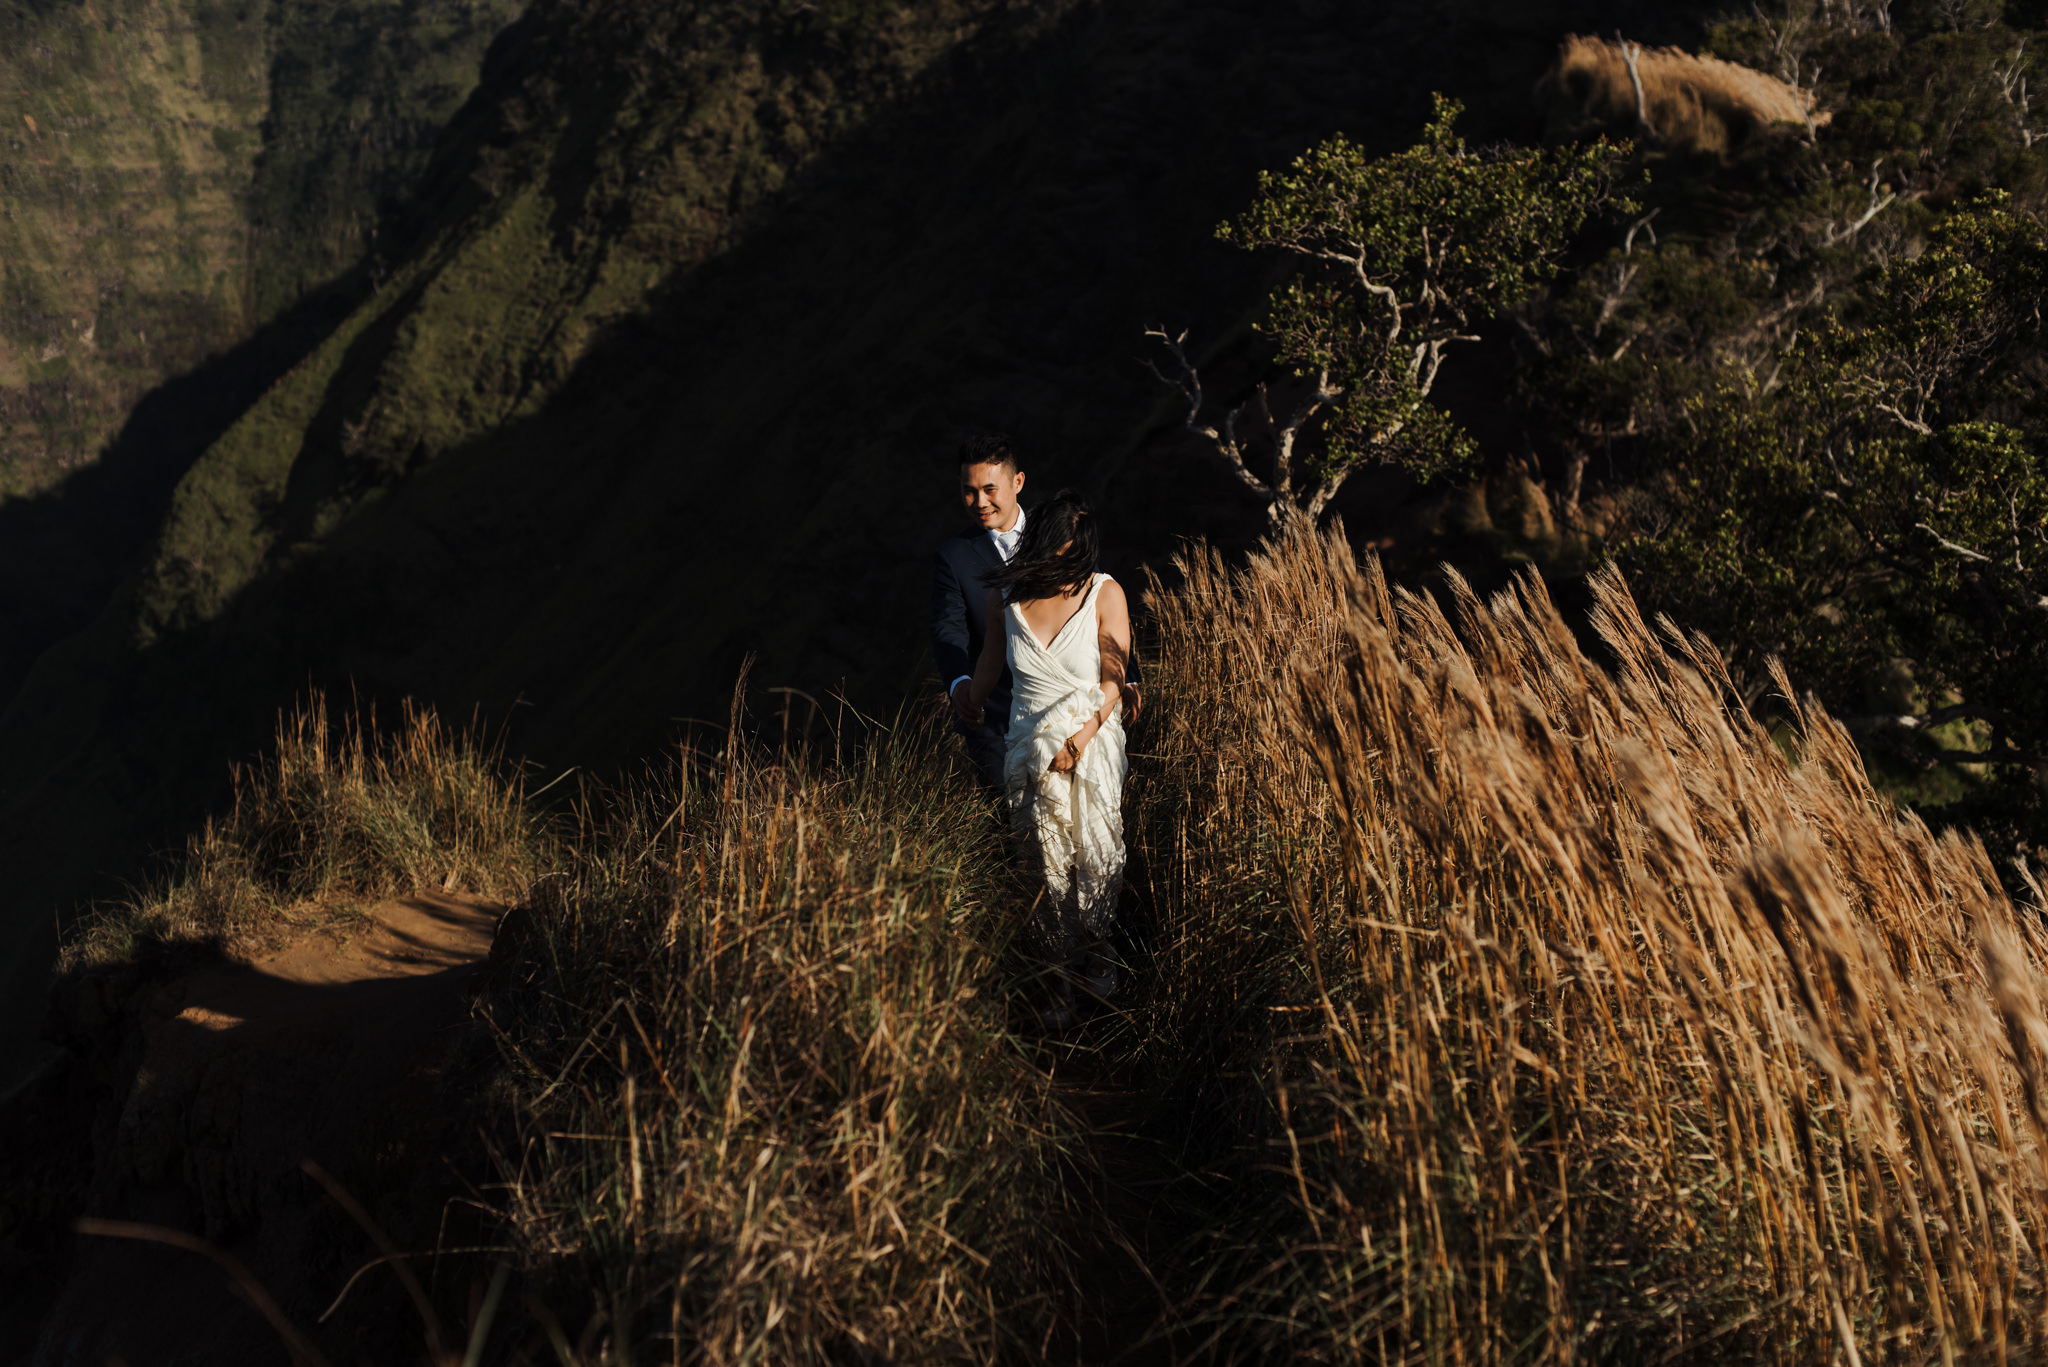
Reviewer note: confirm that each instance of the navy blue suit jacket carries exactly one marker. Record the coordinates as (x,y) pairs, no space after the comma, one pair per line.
(960,611)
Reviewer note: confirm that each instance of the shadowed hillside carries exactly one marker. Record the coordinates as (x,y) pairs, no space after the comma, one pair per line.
(177,174)
(192,195)
(702,298)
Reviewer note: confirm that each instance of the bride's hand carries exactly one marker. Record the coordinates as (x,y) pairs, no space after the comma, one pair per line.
(1069,754)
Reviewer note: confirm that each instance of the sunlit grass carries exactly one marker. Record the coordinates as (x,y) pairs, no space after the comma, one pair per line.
(1488,1007)
(1543,1015)
(332,818)
(764,1102)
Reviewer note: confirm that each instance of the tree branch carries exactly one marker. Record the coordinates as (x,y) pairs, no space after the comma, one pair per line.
(1878,203)
(1948,545)
(1628,242)
(1284,434)
(1325,491)
(1631,53)
(1425,383)
(1393,302)
(1911,424)
(1283,470)
(1190,386)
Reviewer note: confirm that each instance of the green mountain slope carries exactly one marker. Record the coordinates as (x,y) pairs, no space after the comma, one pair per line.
(192,194)
(172,175)
(128,141)
(701,297)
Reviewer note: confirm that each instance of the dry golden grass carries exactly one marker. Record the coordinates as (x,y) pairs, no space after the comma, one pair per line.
(1550,1014)
(1505,1008)
(1699,104)
(331,817)
(764,1103)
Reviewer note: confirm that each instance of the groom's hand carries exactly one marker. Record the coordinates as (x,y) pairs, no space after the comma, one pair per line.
(965,710)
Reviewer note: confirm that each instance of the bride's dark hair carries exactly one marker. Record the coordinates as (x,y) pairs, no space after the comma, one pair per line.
(1040,569)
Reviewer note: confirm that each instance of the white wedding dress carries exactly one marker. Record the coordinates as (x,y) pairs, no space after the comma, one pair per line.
(1070,825)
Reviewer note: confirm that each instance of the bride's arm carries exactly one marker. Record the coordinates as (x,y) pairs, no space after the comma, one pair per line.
(1113,625)
(989,667)
(1113,620)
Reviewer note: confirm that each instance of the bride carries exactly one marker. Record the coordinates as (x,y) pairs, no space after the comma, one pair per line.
(1067,639)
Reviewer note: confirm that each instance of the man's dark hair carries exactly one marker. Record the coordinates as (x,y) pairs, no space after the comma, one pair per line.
(988,448)
(1040,569)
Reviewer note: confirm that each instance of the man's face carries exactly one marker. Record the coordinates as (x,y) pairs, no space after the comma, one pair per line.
(990,492)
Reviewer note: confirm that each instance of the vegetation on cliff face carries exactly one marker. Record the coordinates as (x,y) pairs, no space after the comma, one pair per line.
(175,176)
(191,196)
(128,143)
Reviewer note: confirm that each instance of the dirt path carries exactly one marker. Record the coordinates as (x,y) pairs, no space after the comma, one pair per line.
(245,1072)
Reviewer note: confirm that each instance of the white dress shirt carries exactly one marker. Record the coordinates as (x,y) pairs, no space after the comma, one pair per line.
(1006,546)
(1006,542)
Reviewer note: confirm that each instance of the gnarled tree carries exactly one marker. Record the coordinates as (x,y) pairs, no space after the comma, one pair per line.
(1880,513)
(1400,256)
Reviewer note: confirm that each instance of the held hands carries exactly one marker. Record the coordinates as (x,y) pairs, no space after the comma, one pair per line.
(966,710)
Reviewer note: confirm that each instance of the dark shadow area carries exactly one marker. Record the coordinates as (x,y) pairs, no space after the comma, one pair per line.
(192,1094)
(63,551)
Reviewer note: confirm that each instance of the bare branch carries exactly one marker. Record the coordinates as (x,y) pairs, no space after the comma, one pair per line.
(1628,241)
(2012,84)
(1393,302)
(1623,278)
(1950,546)
(1283,471)
(1880,199)
(1190,385)
(1911,424)
(1631,53)
(1427,382)
(1322,496)
(1284,433)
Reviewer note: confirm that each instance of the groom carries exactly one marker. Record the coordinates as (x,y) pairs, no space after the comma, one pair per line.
(989,484)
